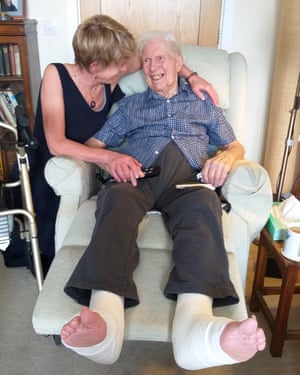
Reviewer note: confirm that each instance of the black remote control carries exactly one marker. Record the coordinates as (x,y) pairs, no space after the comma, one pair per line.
(151,171)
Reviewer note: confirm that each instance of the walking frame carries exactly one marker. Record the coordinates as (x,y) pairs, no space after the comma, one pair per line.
(28,228)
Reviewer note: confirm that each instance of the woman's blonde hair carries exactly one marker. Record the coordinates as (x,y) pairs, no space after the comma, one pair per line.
(102,39)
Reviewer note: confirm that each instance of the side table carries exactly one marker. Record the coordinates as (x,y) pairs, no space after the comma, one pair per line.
(289,271)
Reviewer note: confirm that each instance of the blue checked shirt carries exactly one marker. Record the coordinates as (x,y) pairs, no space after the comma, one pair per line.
(148,122)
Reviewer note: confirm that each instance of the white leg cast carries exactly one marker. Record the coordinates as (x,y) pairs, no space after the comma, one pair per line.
(111,308)
(196,334)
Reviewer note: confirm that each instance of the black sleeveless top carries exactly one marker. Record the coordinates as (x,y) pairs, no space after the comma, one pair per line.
(81,121)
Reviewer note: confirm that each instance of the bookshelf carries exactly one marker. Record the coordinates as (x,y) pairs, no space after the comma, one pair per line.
(20,76)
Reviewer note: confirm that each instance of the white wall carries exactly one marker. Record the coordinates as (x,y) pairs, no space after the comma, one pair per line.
(248,26)
(59,17)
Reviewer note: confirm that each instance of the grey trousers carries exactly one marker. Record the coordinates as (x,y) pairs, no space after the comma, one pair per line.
(193,218)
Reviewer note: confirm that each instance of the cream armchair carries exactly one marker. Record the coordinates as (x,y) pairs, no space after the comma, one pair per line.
(247,189)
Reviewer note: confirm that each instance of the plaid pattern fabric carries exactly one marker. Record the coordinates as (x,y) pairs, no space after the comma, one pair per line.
(148,122)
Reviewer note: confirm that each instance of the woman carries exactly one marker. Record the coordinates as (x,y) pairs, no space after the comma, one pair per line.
(73,104)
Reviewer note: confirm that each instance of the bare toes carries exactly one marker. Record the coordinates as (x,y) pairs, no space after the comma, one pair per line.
(85,330)
(242,340)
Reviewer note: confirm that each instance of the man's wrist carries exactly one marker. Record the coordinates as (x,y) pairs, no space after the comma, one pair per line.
(190,76)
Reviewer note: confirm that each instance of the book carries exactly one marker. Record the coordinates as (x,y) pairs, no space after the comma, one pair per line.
(2,116)
(2,72)
(16,50)
(6,113)
(10,101)
(12,63)
(6,59)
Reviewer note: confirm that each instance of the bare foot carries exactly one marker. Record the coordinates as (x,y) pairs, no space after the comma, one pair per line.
(242,340)
(86,329)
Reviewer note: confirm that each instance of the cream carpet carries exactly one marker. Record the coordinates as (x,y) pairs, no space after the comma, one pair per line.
(22,352)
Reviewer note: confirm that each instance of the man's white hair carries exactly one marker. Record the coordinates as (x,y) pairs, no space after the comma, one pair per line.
(162,35)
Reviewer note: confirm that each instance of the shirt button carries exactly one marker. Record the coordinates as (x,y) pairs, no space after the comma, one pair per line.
(156,152)
(172,137)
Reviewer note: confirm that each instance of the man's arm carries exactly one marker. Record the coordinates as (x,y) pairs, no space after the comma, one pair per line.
(217,168)
(122,167)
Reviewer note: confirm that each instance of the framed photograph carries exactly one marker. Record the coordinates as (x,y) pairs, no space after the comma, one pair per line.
(14,8)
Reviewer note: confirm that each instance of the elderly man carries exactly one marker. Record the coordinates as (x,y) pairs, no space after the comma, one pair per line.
(169,127)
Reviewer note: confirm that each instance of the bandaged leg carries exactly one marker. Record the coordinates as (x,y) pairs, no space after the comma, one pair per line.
(196,333)
(107,326)
(201,340)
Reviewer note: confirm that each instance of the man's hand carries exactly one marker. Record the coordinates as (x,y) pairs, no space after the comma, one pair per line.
(199,85)
(217,168)
(123,168)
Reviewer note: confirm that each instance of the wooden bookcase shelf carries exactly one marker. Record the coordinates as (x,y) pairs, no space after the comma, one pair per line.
(23,34)
(20,73)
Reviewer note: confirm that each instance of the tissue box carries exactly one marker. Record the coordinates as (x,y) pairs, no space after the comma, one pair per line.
(276,229)
(283,215)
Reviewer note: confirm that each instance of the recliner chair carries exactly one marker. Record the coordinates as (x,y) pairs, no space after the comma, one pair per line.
(247,189)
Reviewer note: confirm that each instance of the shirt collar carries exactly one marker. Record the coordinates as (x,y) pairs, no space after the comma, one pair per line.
(183,86)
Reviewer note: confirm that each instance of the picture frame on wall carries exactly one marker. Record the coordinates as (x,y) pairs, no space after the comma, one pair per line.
(13,8)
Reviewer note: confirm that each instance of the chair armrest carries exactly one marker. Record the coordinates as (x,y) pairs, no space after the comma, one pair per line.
(71,176)
(74,181)
(249,191)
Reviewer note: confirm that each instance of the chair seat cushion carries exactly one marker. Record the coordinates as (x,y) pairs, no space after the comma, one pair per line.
(151,320)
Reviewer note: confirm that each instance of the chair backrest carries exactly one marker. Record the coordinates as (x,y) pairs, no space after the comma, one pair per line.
(227,72)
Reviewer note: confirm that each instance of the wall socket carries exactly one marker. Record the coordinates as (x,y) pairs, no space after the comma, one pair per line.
(49,26)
